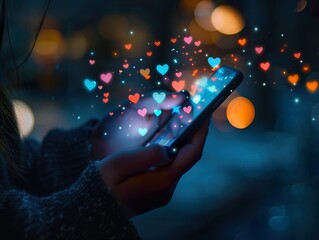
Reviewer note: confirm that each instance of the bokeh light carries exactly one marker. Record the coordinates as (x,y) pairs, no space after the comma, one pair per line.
(76,46)
(240,112)
(49,45)
(301,5)
(113,26)
(205,36)
(227,20)
(202,14)
(25,117)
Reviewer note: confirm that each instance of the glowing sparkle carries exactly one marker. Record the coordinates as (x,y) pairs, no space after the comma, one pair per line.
(282,35)
(131,32)
(123,81)
(105,134)
(120,127)
(175,60)
(79,117)
(296,100)
(256,29)
(92,53)
(249,63)
(264,84)
(176,109)
(313,119)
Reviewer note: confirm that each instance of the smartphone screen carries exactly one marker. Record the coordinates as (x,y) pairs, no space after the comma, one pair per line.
(210,93)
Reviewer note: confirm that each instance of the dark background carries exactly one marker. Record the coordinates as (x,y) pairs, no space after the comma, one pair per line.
(261,182)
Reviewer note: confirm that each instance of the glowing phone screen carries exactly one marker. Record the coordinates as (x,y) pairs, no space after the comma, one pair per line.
(207,89)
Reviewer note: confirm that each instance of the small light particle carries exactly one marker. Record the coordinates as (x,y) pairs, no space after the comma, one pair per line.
(296,100)
(120,127)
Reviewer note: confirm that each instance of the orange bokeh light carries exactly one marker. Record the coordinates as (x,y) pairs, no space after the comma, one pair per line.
(227,20)
(240,112)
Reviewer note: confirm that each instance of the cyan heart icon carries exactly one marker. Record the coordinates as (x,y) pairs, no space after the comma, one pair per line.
(142,131)
(159,97)
(162,69)
(157,112)
(89,84)
(213,62)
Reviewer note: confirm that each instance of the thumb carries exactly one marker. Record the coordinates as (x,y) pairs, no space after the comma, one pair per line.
(128,163)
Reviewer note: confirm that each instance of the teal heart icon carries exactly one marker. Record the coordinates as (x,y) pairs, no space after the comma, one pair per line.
(89,84)
(213,62)
(162,69)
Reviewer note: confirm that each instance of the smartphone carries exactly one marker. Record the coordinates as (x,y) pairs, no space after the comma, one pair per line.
(196,109)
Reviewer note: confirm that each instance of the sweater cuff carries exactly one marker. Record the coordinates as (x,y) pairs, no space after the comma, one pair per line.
(92,202)
(63,156)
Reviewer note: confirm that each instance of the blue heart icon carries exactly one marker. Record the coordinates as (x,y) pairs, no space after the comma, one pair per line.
(159,97)
(213,62)
(162,69)
(89,84)
(142,131)
(157,112)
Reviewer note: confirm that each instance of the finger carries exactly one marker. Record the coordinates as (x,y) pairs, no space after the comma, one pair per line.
(189,154)
(135,161)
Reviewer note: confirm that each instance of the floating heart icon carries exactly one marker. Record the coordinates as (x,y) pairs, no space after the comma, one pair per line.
(157,112)
(197,43)
(293,79)
(173,40)
(142,131)
(149,54)
(196,99)
(157,43)
(128,46)
(178,85)
(213,62)
(142,112)
(187,109)
(242,41)
(162,69)
(264,66)
(297,55)
(106,77)
(145,72)
(188,40)
(134,98)
(89,84)
(159,97)
(259,50)
(312,86)
(92,61)
(212,88)
(126,65)
(178,74)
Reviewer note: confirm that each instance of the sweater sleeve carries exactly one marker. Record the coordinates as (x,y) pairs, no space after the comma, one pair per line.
(60,159)
(85,210)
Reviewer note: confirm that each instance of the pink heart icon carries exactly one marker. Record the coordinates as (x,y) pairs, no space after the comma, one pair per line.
(106,77)
(187,109)
(188,40)
(178,74)
(142,112)
(259,50)
(197,43)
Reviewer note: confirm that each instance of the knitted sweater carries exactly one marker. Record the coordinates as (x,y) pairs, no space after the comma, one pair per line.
(63,195)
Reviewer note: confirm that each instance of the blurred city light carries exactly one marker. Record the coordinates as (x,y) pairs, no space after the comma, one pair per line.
(227,20)
(76,46)
(25,117)
(240,112)
(202,13)
(113,26)
(49,45)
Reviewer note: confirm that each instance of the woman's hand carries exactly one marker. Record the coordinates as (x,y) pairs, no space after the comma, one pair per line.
(131,125)
(138,185)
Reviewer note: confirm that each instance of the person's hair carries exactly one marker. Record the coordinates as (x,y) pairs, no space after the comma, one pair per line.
(10,143)
(9,133)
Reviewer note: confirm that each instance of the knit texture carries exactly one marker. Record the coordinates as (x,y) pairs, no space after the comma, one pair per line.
(63,196)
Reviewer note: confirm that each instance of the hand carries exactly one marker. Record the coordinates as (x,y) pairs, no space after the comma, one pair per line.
(140,187)
(121,131)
